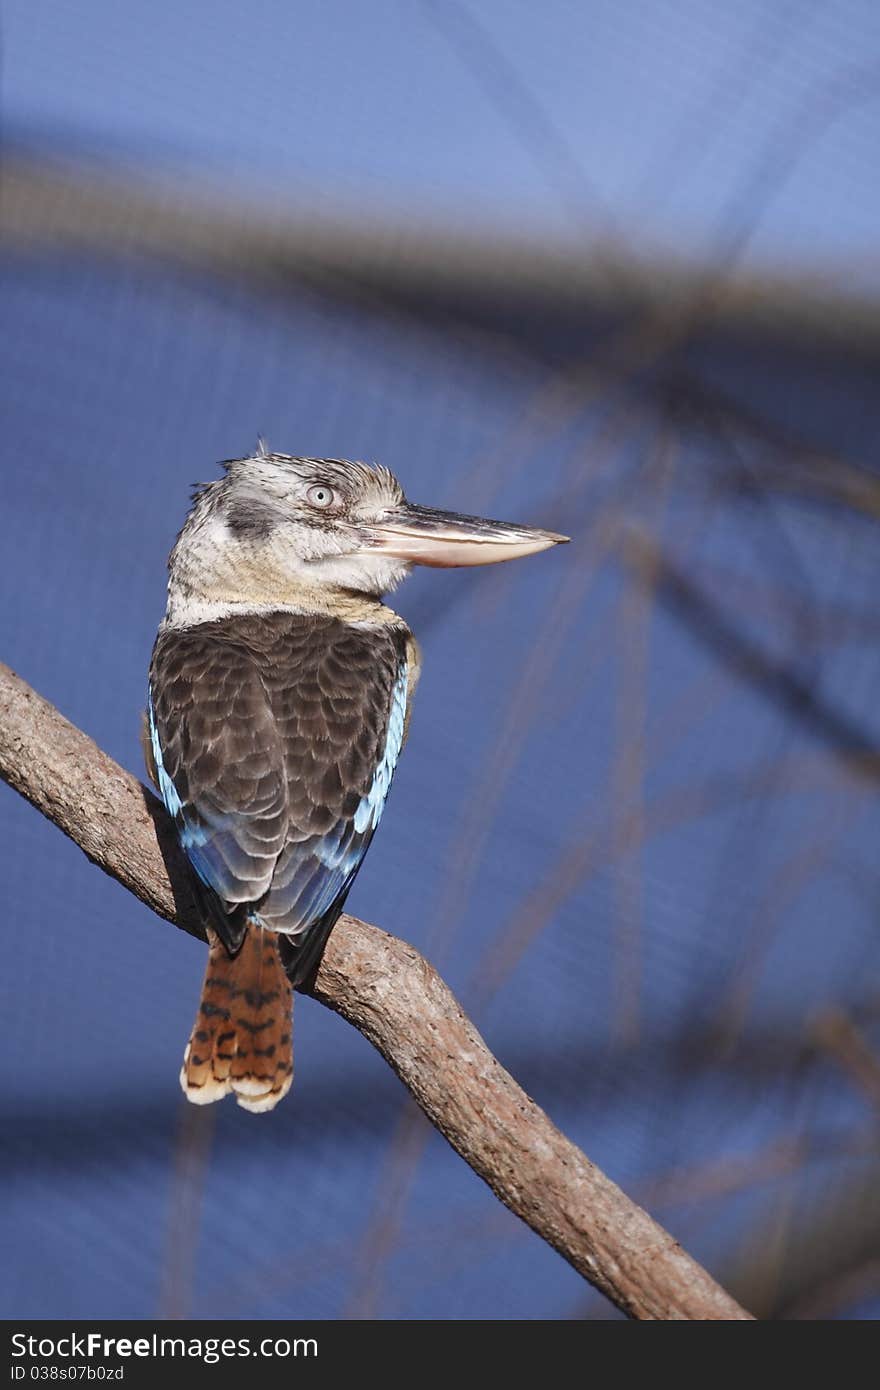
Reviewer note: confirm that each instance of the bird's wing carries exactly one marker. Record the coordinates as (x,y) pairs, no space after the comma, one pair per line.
(275,740)
(342,718)
(219,763)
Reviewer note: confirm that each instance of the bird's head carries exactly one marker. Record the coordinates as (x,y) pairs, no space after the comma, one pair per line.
(275,525)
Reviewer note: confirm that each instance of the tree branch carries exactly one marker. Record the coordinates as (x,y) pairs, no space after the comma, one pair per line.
(398,1001)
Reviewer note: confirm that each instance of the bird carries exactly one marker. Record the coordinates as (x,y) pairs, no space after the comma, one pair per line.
(280,694)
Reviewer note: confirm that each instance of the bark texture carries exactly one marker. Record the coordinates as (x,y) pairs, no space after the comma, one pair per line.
(398,1001)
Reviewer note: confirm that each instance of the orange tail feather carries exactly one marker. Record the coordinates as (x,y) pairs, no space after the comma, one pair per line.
(241,1040)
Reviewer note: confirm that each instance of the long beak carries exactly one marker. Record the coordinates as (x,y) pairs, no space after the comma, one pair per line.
(424,536)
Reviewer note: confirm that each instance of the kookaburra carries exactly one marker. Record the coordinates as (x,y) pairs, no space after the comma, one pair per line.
(279,700)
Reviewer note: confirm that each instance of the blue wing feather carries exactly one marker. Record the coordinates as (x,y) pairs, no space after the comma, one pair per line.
(309,876)
(206,835)
(313,875)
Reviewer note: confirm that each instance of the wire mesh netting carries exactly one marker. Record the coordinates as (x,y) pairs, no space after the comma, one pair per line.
(635,825)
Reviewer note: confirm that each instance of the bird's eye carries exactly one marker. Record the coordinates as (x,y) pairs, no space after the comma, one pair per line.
(321,496)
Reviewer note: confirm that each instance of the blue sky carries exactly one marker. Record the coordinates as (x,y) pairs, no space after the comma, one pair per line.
(650,124)
(123,379)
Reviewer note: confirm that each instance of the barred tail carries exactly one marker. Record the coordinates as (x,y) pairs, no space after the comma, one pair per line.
(241,1040)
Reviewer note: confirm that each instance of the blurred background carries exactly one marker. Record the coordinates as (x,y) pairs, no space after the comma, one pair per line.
(608,269)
